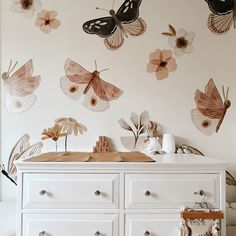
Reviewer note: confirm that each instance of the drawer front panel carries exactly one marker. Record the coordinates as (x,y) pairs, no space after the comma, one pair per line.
(152,225)
(170,190)
(72,225)
(70,191)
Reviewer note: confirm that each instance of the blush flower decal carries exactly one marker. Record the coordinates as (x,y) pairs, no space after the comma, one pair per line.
(161,63)
(181,40)
(26,7)
(46,21)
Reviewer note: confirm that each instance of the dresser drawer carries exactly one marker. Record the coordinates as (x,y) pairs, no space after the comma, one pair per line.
(170,190)
(70,191)
(152,224)
(70,224)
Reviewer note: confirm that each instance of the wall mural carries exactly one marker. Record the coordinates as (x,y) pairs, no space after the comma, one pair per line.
(118,25)
(211,109)
(20,87)
(161,62)
(222,17)
(181,40)
(78,81)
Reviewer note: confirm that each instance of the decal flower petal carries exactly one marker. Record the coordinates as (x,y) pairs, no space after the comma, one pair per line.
(54,133)
(71,126)
(26,7)
(124,124)
(161,62)
(182,42)
(47,21)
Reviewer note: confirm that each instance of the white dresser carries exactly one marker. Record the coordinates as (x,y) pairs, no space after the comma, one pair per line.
(115,199)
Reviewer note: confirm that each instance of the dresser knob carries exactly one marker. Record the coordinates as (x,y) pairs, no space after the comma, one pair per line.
(42,192)
(42,233)
(97,233)
(97,193)
(147,193)
(147,233)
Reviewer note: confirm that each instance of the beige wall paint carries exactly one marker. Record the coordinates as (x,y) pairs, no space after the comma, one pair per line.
(168,102)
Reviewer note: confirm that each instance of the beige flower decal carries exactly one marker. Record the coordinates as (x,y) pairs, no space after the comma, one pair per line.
(70,126)
(161,62)
(47,21)
(26,7)
(180,40)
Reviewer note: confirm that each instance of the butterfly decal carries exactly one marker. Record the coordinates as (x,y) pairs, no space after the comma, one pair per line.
(223,15)
(78,81)
(20,87)
(118,25)
(22,149)
(211,109)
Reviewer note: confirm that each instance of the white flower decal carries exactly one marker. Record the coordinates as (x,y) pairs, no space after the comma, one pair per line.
(26,7)
(181,40)
(47,21)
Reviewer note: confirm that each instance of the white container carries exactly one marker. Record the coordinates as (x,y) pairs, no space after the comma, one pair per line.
(168,143)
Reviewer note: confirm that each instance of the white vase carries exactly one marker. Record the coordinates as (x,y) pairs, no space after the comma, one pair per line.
(168,143)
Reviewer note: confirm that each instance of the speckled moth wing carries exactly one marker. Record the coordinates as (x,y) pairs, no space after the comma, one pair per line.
(21,145)
(105,90)
(24,71)
(204,123)
(76,72)
(94,103)
(220,24)
(71,89)
(22,83)
(212,92)
(115,41)
(207,106)
(19,104)
(136,28)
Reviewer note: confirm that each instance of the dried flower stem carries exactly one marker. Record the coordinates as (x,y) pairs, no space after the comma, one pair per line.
(66,140)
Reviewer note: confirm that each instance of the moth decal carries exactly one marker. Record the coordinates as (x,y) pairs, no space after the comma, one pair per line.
(78,81)
(211,109)
(120,24)
(20,87)
(223,15)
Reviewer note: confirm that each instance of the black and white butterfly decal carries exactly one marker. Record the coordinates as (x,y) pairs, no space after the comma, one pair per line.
(114,28)
(223,15)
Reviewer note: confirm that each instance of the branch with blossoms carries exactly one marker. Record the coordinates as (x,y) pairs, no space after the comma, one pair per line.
(138,126)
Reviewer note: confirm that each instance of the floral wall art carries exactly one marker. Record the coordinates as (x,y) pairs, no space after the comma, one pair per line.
(158,53)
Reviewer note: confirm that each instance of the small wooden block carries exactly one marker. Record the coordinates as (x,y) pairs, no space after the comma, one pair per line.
(102,138)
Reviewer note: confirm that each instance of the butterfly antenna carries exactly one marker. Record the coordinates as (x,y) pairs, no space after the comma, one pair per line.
(13,67)
(223,90)
(103,70)
(98,8)
(9,68)
(227,93)
(96,66)
(113,4)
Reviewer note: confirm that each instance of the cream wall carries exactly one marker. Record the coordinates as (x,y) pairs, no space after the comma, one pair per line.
(169,101)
